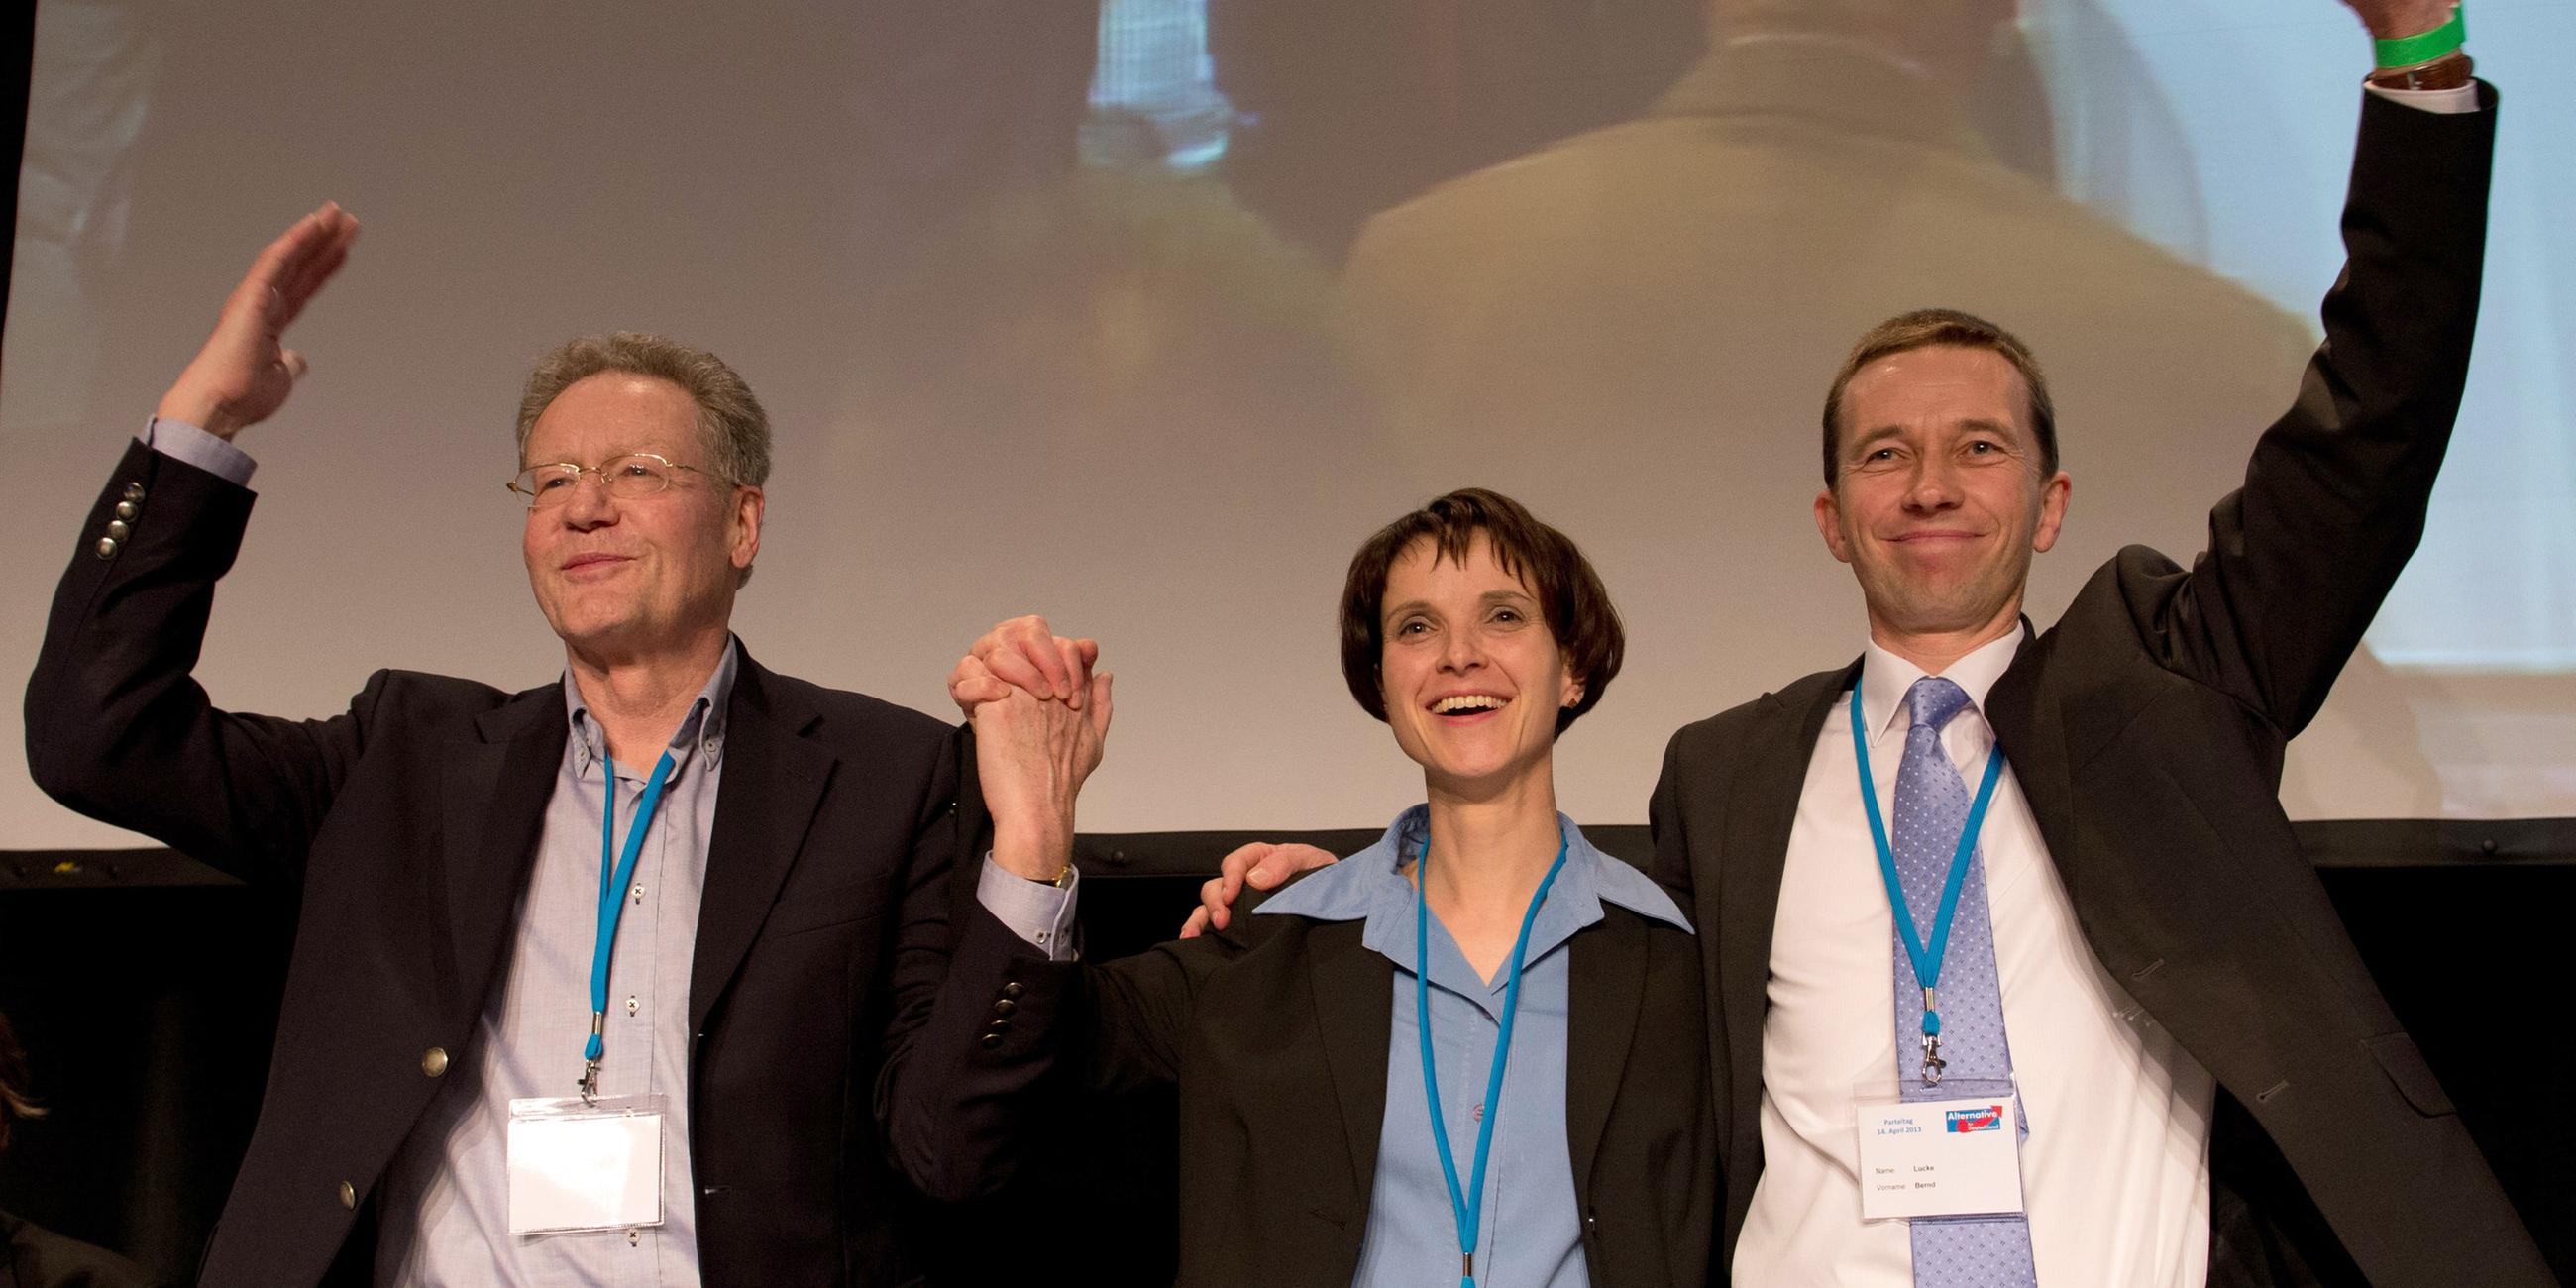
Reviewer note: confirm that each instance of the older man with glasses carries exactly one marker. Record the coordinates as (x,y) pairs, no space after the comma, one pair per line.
(594,982)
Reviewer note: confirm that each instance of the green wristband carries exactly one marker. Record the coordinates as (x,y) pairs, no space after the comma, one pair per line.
(2415,51)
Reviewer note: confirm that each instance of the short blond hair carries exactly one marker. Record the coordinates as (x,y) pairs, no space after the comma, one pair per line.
(730,419)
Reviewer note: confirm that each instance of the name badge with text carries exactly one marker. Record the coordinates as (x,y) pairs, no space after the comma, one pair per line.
(1939,1158)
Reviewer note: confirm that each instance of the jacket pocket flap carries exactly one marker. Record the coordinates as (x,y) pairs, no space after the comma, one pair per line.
(2404,1063)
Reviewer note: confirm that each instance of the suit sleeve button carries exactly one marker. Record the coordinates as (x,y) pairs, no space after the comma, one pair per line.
(433,1061)
(107,547)
(127,509)
(134,493)
(1005,1006)
(1011,989)
(992,1040)
(348,1195)
(118,529)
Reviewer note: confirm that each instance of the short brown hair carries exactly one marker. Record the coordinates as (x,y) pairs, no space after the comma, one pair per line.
(1570,594)
(1923,329)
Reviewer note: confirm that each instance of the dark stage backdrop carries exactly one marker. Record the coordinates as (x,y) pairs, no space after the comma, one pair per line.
(147,986)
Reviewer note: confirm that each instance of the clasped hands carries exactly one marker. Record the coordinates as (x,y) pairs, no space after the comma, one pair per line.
(1041,720)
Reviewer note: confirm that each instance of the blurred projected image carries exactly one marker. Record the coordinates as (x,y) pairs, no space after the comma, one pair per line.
(1675,290)
(1153,88)
(1133,311)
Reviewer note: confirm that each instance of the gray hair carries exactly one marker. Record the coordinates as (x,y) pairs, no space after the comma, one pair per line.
(732,427)
(735,429)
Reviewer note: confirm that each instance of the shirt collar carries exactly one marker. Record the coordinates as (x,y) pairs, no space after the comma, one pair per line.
(1830,80)
(703,728)
(1371,886)
(1885,677)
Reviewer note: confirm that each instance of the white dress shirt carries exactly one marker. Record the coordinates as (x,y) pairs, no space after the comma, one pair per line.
(2115,1173)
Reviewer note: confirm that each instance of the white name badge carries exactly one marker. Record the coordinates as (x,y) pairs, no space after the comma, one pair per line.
(585,1165)
(1939,1158)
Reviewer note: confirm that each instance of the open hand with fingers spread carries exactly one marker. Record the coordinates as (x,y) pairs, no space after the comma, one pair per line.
(244,372)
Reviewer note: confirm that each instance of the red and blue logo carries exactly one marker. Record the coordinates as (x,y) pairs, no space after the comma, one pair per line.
(1989,1118)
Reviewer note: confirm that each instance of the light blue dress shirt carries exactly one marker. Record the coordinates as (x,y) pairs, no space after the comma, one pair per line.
(1531,1234)
(444,1207)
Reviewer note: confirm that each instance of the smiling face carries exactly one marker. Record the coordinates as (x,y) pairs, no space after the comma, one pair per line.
(624,577)
(1942,499)
(1471,676)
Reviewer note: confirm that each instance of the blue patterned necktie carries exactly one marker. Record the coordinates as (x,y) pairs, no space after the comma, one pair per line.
(1931,811)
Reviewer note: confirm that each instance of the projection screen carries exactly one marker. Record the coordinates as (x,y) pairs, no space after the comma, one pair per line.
(1143,313)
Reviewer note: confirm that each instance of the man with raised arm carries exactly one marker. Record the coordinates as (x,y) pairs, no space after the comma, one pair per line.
(2034,888)
(593,983)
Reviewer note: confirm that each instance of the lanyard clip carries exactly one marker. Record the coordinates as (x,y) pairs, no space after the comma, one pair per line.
(590,1059)
(1933,1064)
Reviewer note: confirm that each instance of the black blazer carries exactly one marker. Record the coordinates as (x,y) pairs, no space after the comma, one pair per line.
(1275,1031)
(408,825)
(2147,728)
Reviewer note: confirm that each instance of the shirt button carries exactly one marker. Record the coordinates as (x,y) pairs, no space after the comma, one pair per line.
(639,892)
(348,1195)
(630,1005)
(433,1061)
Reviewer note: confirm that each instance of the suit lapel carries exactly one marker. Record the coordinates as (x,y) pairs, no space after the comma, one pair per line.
(2030,726)
(1354,1008)
(1605,990)
(492,815)
(773,782)
(1762,808)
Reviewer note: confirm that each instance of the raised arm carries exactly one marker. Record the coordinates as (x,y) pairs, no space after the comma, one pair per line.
(245,371)
(2334,499)
(116,727)
(964,1096)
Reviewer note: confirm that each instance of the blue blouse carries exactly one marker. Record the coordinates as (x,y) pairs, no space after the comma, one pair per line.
(1531,1233)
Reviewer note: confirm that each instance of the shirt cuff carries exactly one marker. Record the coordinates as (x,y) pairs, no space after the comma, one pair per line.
(1035,911)
(180,440)
(2457,99)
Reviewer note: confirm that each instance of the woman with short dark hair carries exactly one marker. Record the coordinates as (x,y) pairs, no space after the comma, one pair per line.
(1470,1049)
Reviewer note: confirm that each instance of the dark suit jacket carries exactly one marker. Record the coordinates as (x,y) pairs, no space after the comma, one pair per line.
(1275,1032)
(408,826)
(2147,728)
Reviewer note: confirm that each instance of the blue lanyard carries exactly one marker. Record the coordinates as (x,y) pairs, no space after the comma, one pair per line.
(1468,1207)
(613,880)
(1926,959)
